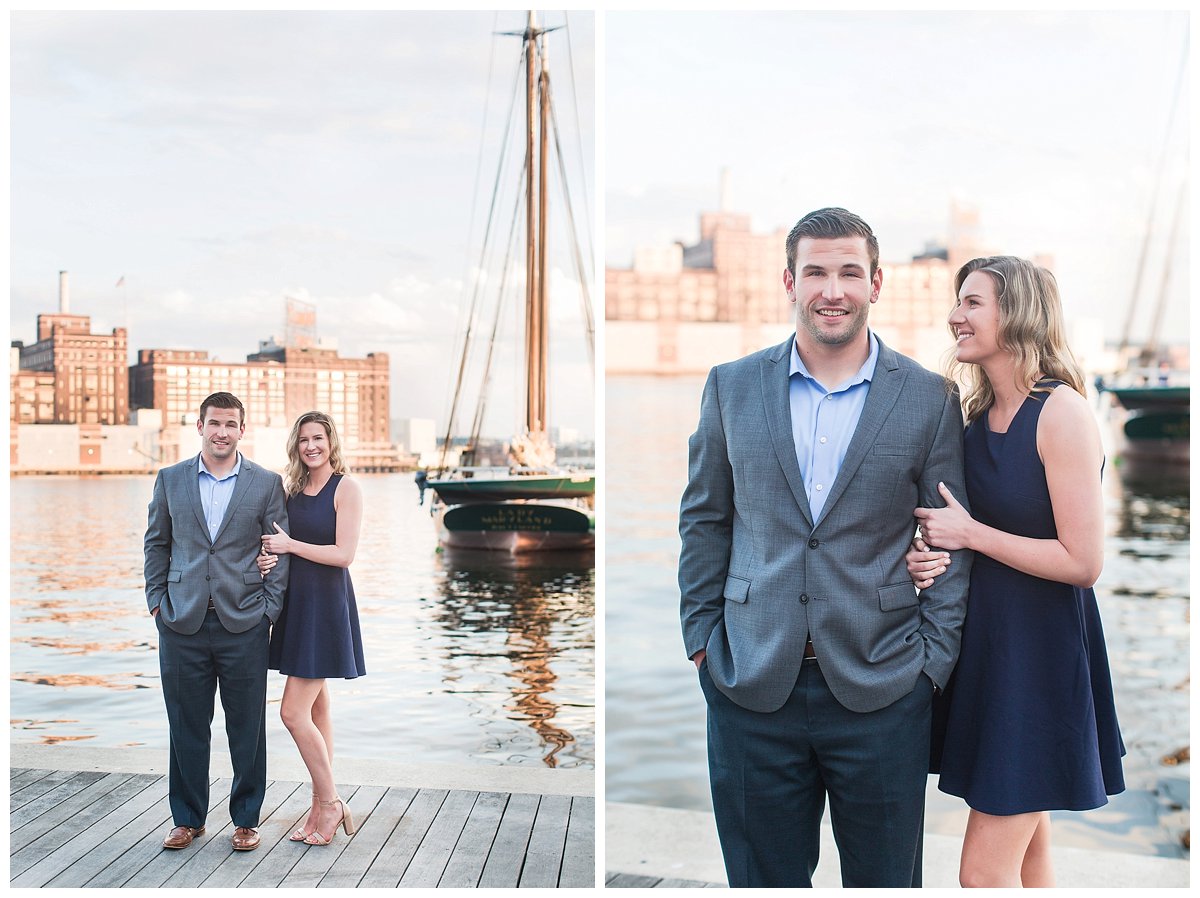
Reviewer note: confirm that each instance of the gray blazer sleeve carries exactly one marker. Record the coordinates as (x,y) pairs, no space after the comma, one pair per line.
(705,524)
(944,604)
(157,545)
(275,583)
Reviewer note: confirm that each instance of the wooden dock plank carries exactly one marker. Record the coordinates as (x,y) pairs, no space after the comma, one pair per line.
(579,853)
(543,859)
(65,845)
(44,802)
(318,859)
(430,861)
(201,864)
(632,881)
(20,777)
(36,789)
(507,857)
(465,866)
(377,810)
(680,884)
(24,833)
(138,844)
(397,852)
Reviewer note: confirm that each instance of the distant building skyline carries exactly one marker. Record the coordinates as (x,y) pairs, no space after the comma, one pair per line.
(72,376)
(733,277)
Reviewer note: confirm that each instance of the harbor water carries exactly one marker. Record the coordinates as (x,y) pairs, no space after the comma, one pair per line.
(654,710)
(478,658)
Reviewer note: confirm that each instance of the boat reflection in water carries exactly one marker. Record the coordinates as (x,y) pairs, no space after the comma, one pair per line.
(530,601)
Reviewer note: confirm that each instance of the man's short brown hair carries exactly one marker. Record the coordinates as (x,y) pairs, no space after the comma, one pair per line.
(827,224)
(223,400)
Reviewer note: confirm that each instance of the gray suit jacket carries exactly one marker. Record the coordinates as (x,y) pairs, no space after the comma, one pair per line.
(758,576)
(184,567)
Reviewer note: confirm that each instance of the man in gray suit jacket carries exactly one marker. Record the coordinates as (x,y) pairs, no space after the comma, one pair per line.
(816,655)
(214,613)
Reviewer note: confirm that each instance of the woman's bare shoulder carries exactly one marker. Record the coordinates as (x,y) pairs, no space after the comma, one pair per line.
(1067,421)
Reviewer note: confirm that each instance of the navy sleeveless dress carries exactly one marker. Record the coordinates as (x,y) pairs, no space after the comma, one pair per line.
(317,635)
(1030,722)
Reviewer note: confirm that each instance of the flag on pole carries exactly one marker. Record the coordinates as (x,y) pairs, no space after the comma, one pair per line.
(121,282)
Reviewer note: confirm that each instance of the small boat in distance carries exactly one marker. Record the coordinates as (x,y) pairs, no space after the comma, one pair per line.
(1157,422)
(533,503)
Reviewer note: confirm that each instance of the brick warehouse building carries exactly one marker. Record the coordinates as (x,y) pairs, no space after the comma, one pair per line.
(276,384)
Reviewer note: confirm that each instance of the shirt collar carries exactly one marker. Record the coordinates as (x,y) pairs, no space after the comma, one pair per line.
(865,373)
(236,468)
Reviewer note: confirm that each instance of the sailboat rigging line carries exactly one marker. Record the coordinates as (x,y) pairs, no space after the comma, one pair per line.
(462,364)
(1158,181)
(502,292)
(487,99)
(1156,323)
(576,255)
(587,211)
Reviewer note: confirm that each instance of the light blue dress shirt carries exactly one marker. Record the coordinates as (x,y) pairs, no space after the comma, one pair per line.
(215,495)
(823,422)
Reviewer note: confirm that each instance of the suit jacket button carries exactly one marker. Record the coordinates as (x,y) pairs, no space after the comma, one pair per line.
(813,543)
(212,551)
(207,577)
(803,598)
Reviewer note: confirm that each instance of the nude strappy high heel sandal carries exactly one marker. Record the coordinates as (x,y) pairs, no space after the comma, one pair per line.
(316,837)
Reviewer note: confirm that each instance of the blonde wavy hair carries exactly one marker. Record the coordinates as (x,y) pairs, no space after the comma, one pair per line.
(1031,330)
(295,476)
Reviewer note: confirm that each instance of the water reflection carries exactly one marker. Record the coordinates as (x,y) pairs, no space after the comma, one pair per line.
(487,660)
(1154,504)
(71,681)
(524,598)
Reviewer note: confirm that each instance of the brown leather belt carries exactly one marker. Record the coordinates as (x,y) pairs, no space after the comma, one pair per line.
(808,651)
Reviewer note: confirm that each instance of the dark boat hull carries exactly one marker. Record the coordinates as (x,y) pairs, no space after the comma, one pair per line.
(516,526)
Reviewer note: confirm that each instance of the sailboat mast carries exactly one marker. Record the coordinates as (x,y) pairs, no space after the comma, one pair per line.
(531,266)
(543,347)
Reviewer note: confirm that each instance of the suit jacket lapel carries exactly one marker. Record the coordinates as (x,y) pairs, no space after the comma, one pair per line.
(240,486)
(775,389)
(886,384)
(193,490)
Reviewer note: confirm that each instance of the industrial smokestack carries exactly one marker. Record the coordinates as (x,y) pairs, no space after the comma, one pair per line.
(64,294)
(725,200)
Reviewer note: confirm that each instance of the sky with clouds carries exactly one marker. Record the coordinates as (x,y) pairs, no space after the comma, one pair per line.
(222,161)
(1050,124)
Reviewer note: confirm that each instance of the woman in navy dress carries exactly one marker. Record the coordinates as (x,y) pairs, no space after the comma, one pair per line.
(1030,723)
(317,635)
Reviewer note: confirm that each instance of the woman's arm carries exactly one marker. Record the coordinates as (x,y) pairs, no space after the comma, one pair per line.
(1068,442)
(347,503)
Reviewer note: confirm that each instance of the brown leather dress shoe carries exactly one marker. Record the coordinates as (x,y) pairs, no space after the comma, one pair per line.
(245,839)
(181,836)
